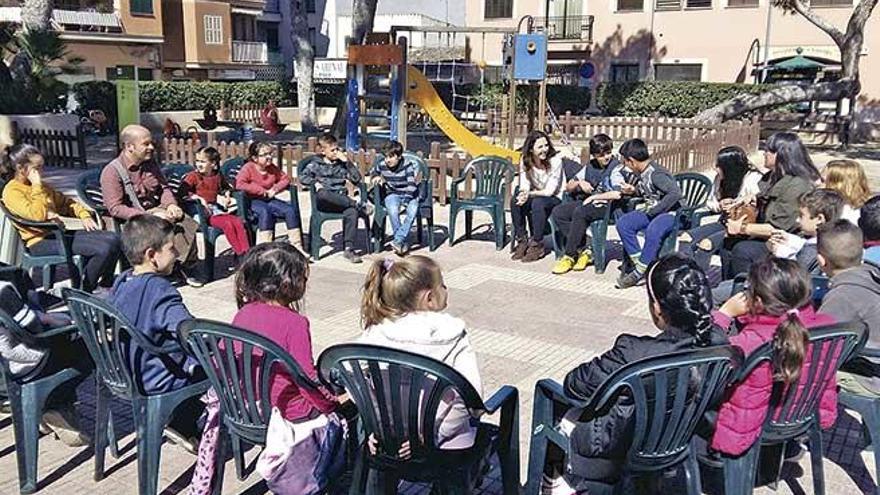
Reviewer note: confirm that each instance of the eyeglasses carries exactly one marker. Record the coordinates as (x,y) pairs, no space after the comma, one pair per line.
(265,154)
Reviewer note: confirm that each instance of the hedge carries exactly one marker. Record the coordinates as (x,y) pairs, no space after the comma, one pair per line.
(646,98)
(159,96)
(668,98)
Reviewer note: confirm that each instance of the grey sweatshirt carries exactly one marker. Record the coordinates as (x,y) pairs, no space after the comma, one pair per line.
(855,296)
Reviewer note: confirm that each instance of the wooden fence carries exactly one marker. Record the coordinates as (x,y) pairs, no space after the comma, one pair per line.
(692,154)
(59,148)
(243,114)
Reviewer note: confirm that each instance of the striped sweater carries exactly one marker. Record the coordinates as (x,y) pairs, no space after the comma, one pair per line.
(402,180)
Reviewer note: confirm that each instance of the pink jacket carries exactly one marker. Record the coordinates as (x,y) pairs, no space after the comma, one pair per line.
(741,416)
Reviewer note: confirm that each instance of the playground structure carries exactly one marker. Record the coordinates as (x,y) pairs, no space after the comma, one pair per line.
(379,71)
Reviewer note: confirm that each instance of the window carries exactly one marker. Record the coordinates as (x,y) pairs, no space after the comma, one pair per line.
(120,72)
(213,30)
(313,37)
(678,72)
(830,3)
(630,5)
(668,5)
(142,7)
(498,9)
(272,38)
(145,74)
(310,7)
(624,73)
(699,4)
(742,3)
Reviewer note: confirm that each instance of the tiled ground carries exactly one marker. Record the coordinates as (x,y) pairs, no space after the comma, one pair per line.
(524,322)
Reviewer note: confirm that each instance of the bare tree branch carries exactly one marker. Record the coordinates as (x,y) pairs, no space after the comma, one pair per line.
(820,22)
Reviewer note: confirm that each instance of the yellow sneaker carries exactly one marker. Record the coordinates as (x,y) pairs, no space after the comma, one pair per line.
(564,265)
(583,261)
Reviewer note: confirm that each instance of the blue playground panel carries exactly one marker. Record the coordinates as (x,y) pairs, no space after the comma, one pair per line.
(530,57)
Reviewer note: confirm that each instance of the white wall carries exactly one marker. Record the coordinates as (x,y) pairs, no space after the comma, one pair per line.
(338,28)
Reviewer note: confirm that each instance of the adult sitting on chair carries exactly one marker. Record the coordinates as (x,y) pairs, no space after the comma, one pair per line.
(133,184)
(27,196)
(539,190)
(269,118)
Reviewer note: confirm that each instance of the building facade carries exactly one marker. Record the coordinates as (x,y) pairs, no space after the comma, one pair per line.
(701,40)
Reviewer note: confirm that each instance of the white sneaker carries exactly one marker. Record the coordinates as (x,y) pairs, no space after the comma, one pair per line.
(555,486)
(64,425)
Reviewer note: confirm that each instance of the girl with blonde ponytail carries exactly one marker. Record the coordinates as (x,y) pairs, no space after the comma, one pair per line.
(776,308)
(403,308)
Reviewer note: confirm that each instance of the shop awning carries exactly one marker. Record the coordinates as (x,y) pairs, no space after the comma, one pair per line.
(797,63)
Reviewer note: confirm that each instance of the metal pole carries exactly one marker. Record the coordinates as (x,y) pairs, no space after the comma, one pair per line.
(766,67)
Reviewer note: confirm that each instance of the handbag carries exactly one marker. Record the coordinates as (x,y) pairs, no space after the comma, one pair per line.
(301,458)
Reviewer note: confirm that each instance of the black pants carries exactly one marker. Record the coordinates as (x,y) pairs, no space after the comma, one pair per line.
(573,219)
(65,353)
(739,254)
(537,209)
(99,248)
(331,202)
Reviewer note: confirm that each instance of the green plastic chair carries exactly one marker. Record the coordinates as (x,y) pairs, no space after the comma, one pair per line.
(240,366)
(230,170)
(492,178)
(794,415)
(410,390)
(109,337)
(319,217)
(27,397)
(659,441)
(425,211)
(696,189)
(48,262)
(868,408)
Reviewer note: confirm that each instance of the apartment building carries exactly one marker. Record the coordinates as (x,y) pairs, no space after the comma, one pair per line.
(113,37)
(701,40)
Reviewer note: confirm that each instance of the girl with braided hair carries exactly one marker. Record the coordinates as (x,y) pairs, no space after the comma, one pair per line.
(680,303)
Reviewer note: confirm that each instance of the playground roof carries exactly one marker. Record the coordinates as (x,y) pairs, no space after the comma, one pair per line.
(445,11)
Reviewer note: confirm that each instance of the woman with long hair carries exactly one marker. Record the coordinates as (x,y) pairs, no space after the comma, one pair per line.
(791,175)
(539,190)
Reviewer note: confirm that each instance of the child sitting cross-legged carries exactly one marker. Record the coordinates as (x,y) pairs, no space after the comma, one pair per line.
(145,296)
(403,307)
(400,179)
(206,185)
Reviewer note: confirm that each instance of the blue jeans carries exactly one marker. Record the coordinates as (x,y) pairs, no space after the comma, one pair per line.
(656,229)
(268,211)
(392,207)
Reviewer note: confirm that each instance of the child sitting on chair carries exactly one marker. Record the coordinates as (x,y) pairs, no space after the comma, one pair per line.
(869,222)
(263,181)
(328,172)
(817,208)
(206,185)
(403,307)
(145,296)
(400,179)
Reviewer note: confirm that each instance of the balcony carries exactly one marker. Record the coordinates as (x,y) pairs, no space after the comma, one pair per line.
(566,28)
(250,51)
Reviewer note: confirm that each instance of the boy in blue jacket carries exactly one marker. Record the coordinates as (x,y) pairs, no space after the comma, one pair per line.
(153,305)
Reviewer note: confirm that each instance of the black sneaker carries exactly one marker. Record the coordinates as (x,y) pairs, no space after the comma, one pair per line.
(351,256)
(627,280)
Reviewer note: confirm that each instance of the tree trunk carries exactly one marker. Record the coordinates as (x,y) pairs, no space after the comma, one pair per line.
(304,58)
(848,86)
(363,13)
(35,14)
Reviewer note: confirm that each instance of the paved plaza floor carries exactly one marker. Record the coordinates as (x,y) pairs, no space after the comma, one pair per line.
(524,322)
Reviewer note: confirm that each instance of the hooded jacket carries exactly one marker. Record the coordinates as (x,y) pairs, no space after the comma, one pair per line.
(854,295)
(442,337)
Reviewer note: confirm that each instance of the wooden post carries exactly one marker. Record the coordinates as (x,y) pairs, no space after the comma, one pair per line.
(542,104)
(511,107)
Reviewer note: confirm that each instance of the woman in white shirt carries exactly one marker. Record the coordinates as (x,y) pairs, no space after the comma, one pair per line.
(736,183)
(539,190)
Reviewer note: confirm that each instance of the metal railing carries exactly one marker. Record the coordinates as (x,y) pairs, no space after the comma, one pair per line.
(560,28)
(250,51)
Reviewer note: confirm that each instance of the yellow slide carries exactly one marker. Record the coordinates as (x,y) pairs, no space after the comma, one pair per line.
(420,92)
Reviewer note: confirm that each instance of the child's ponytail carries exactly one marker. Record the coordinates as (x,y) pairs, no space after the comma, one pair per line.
(393,287)
(789,348)
(780,287)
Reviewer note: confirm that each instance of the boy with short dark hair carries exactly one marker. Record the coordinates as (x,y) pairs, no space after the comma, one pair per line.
(655,217)
(400,179)
(854,296)
(869,222)
(155,308)
(817,207)
(604,173)
(328,172)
